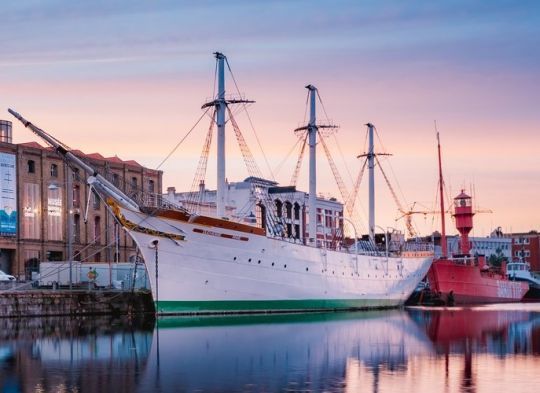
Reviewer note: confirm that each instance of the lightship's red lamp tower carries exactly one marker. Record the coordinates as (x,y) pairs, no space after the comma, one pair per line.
(464,220)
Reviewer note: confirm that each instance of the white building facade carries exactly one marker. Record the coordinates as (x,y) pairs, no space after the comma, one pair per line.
(248,201)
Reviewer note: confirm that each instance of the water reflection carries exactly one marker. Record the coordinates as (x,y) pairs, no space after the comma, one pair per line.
(484,349)
(309,352)
(63,354)
(488,348)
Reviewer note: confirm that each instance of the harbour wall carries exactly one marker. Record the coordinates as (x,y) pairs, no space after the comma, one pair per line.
(39,303)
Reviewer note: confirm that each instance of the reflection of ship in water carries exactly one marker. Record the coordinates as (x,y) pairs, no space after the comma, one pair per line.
(63,354)
(272,353)
(496,330)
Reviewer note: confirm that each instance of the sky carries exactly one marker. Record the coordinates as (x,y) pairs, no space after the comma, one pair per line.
(129,78)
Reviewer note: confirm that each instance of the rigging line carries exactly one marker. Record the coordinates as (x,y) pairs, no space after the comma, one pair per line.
(306,107)
(391,168)
(250,121)
(322,104)
(350,204)
(200,173)
(215,80)
(343,158)
(280,165)
(337,177)
(294,177)
(183,139)
(251,165)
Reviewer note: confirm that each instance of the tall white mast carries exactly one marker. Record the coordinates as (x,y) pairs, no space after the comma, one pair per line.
(371,169)
(312,135)
(220,117)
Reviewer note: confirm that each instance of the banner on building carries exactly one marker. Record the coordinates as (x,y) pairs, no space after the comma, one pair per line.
(8,195)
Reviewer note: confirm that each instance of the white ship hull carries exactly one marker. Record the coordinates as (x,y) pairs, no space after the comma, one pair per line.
(216,270)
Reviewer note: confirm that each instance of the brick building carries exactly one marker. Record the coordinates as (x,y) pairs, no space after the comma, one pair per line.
(526,245)
(34,211)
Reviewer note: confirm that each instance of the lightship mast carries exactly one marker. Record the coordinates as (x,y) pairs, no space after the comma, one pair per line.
(444,246)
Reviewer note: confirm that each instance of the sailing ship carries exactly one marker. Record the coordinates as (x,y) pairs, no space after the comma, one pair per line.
(204,264)
(464,278)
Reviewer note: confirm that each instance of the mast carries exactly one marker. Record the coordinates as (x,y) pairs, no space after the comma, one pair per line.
(220,103)
(313,129)
(371,170)
(444,246)
(312,137)
(220,117)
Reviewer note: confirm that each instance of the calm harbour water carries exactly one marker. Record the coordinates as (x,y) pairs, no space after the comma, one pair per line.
(482,349)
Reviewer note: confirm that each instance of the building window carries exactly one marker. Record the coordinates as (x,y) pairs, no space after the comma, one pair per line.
(75,174)
(116,179)
(288,209)
(279,208)
(97,257)
(97,229)
(297,231)
(55,219)
(76,228)
(296,211)
(31,220)
(54,170)
(96,201)
(134,184)
(53,256)
(31,166)
(151,186)
(76,196)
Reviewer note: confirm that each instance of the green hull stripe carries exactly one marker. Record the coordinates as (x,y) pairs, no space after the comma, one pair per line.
(247,306)
(172,321)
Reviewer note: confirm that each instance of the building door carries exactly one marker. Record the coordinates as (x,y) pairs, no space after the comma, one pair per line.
(6,260)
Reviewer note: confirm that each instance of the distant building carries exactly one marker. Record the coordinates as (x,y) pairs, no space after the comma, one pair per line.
(493,245)
(34,213)
(526,245)
(289,208)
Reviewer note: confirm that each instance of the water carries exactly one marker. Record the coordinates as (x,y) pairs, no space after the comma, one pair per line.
(481,349)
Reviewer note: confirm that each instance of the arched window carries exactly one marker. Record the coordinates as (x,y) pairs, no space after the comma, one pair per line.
(296,211)
(31,166)
(279,208)
(288,209)
(54,170)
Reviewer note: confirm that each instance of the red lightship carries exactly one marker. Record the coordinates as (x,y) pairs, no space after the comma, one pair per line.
(466,279)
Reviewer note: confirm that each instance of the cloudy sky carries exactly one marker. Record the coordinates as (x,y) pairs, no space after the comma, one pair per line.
(129,77)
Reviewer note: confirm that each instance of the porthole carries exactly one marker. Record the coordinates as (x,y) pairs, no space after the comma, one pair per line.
(285,266)
(259,261)
(307,268)
(249,260)
(234,259)
(272,263)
